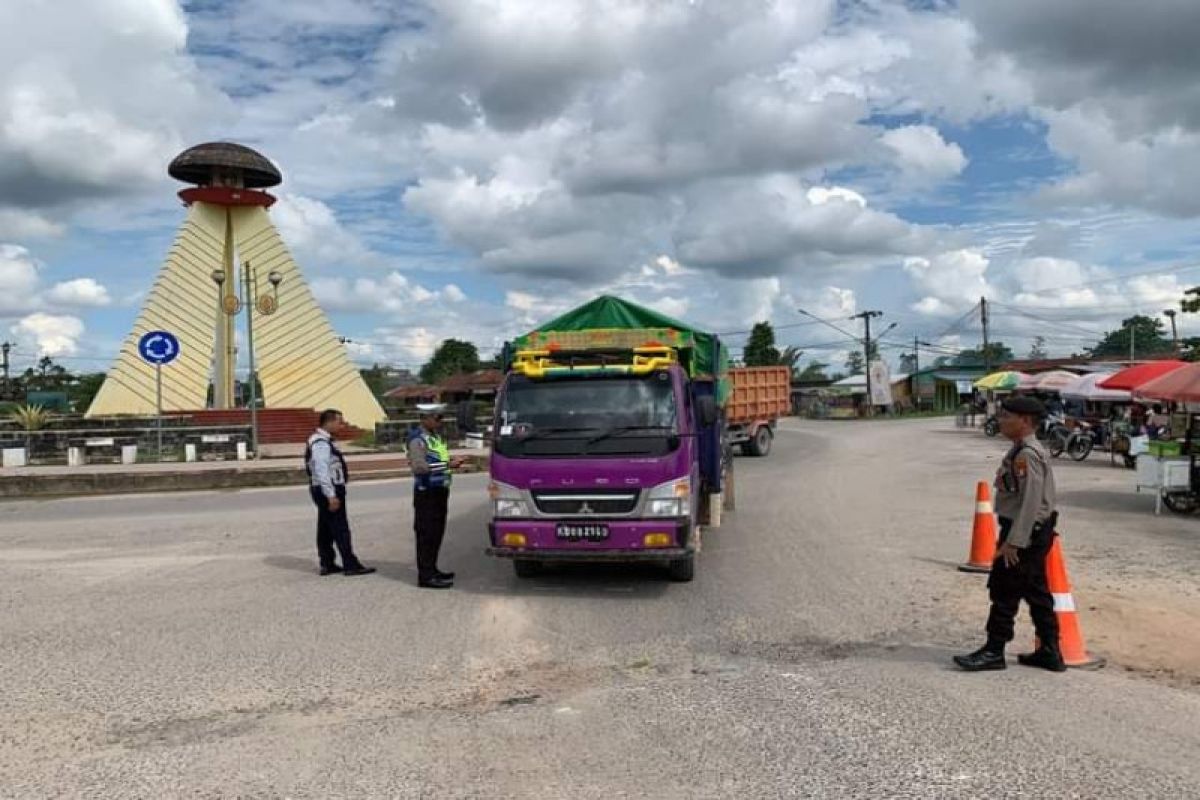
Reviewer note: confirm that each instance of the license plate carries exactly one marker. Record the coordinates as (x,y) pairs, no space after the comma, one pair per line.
(583,533)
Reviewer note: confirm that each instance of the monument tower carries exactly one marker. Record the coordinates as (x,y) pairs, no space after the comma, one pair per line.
(226,256)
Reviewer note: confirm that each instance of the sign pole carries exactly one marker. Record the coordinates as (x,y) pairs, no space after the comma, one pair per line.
(158,394)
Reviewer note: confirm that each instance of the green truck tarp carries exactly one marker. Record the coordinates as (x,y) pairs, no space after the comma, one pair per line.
(702,352)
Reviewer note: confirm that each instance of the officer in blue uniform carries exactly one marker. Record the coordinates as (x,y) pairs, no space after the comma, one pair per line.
(327,476)
(429,458)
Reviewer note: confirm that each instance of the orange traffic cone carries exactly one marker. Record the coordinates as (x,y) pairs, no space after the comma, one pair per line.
(1070,638)
(983,537)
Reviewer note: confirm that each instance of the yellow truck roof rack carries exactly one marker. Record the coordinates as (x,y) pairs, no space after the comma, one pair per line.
(557,363)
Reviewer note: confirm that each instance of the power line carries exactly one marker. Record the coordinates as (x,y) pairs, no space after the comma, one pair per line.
(1060,323)
(958,323)
(829,324)
(1117,279)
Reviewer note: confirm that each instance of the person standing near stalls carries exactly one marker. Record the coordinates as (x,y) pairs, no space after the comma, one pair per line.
(429,458)
(327,476)
(1025,503)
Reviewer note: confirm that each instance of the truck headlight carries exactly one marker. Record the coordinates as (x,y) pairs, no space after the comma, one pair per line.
(671,499)
(507,501)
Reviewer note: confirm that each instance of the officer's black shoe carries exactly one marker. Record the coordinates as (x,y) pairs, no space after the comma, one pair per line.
(331,570)
(359,570)
(1044,657)
(436,583)
(981,660)
(446,576)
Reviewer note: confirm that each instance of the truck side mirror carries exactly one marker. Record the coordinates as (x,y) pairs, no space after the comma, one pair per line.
(707,411)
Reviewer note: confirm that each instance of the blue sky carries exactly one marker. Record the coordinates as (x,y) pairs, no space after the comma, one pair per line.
(469,167)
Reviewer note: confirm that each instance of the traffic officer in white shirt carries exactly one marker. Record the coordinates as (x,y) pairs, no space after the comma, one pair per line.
(327,478)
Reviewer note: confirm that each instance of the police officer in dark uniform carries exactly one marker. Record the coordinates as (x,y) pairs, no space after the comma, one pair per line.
(327,476)
(429,458)
(1025,503)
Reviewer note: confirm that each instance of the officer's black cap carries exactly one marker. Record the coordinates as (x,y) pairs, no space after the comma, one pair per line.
(1025,406)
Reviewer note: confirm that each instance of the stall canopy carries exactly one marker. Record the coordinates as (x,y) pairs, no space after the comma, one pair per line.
(1053,381)
(1181,386)
(1001,381)
(1133,377)
(1084,388)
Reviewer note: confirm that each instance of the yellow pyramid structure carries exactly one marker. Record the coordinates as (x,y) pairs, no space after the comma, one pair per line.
(227,237)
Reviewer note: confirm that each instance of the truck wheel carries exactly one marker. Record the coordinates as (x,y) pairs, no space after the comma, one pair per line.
(760,445)
(683,569)
(525,568)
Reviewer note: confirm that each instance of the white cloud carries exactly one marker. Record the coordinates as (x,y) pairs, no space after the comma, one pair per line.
(390,294)
(81,292)
(922,154)
(948,281)
(820,195)
(18,278)
(316,237)
(52,335)
(773,226)
(19,224)
(97,94)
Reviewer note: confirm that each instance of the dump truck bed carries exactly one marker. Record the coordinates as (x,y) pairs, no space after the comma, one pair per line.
(759,393)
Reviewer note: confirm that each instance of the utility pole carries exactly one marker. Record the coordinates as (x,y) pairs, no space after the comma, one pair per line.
(866,316)
(1170,313)
(987,351)
(6,347)
(6,389)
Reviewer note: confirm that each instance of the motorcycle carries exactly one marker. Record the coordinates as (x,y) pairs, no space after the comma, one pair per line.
(1082,441)
(991,427)
(1054,433)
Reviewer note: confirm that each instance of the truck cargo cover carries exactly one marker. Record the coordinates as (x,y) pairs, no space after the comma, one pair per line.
(701,353)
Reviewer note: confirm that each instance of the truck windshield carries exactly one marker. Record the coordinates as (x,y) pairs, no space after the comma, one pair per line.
(588,416)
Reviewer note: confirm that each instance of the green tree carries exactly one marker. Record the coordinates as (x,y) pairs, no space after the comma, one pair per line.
(998,354)
(1149,337)
(1037,352)
(815,371)
(46,376)
(376,379)
(855,365)
(451,358)
(83,389)
(760,348)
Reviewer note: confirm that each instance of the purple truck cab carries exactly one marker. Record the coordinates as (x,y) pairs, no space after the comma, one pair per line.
(603,465)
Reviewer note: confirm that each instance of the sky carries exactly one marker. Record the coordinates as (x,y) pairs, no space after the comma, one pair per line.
(470,168)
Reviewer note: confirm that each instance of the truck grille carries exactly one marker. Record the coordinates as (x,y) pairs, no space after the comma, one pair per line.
(586,504)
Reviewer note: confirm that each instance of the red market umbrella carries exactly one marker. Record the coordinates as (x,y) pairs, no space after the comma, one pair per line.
(1180,386)
(1132,378)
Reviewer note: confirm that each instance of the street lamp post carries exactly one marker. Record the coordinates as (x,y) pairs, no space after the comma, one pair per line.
(266,305)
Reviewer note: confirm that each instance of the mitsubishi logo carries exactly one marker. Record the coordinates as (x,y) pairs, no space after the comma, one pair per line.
(586,509)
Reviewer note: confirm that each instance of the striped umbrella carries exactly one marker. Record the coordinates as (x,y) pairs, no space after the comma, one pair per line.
(1004,381)
(1084,388)
(1053,381)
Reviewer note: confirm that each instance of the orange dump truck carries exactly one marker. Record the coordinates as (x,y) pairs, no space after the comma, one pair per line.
(761,395)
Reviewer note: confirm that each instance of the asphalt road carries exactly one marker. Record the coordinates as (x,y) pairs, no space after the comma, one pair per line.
(182,645)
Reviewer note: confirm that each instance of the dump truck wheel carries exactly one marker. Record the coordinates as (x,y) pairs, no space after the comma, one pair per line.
(760,445)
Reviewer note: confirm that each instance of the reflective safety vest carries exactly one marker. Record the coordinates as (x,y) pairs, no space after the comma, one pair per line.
(437,456)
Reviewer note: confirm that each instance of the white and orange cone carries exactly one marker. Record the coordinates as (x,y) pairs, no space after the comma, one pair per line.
(983,534)
(1070,637)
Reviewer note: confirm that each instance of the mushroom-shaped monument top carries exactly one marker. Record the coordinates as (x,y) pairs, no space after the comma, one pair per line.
(204,163)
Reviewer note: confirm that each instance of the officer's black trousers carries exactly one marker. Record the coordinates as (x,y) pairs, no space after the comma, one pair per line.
(333,528)
(430,507)
(1008,586)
